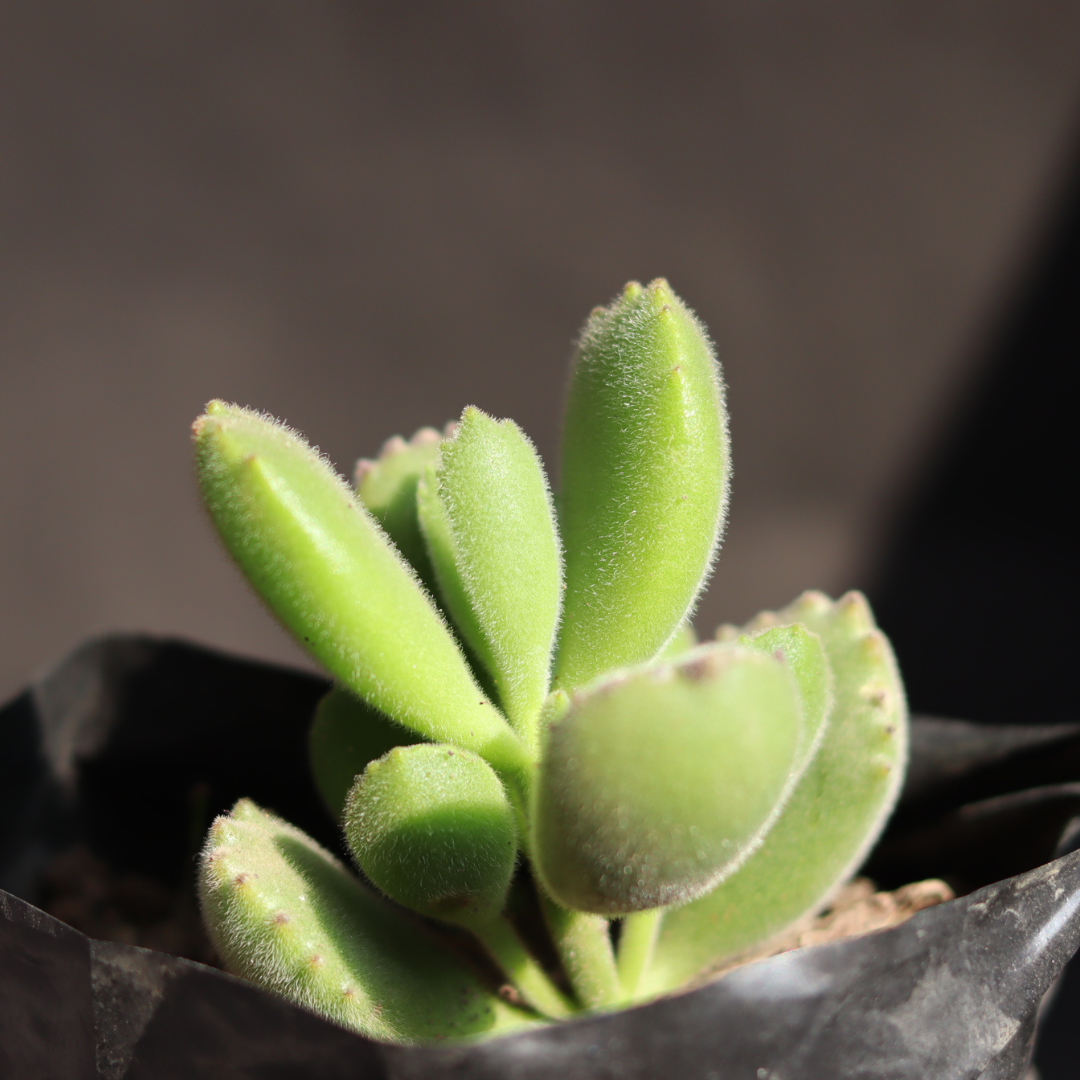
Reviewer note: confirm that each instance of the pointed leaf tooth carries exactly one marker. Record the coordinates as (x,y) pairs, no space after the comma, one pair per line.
(765,620)
(645,465)
(811,602)
(331,575)
(855,612)
(392,447)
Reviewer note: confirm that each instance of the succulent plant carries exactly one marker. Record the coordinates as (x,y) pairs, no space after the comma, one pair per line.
(530,755)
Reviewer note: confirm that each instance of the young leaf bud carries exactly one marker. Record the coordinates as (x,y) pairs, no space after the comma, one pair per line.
(432,827)
(644,481)
(660,781)
(346,733)
(331,575)
(499,533)
(387,487)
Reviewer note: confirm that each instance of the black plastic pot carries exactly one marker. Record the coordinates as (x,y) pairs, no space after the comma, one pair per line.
(131,744)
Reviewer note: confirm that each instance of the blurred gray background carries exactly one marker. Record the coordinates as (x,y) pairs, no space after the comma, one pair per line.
(362,216)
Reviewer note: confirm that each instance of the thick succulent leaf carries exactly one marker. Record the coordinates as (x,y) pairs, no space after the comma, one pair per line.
(439,538)
(346,733)
(387,487)
(833,816)
(432,827)
(331,575)
(659,781)
(644,481)
(502,539)
(285,914)
(804,653)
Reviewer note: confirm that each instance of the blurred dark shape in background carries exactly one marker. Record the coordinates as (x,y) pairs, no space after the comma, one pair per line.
(979,588)
(980,591)
(364,215)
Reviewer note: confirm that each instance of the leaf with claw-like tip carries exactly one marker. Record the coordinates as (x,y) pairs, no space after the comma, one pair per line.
(331,575)
(497,527)
(644,481)
(347,733)
(660,781)
(432,827)
(387,487)
(833,816)
(288,916)
(804,654)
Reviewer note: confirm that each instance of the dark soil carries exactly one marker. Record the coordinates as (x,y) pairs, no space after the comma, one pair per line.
(82,890)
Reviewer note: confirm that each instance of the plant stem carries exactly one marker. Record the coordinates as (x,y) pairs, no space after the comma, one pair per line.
(584,946)
(636,946)
(536,989)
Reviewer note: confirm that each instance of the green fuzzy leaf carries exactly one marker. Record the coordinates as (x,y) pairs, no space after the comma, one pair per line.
(346,733)
(804,653)
(331,575)
(433,828)
(387,487)
(660,781)
(584,946)
(439,537)
(498,550)
(288,916)
(833,816)
(644,484)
